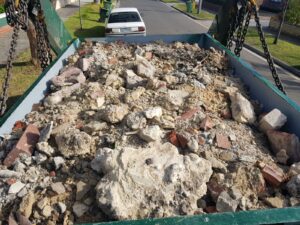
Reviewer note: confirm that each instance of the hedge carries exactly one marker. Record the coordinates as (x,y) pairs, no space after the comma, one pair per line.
(293,12)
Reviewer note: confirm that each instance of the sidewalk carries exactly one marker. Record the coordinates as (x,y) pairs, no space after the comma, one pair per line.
(23,43)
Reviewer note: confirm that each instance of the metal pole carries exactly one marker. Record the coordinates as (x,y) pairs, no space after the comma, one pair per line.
(282,21)
(199,6)
(80,15)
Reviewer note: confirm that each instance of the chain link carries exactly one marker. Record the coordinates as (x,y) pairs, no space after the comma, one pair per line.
(241,35)
(17,16)
(267,52)
(240,42)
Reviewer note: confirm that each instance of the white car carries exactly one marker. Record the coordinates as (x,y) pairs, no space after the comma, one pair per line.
(125,21)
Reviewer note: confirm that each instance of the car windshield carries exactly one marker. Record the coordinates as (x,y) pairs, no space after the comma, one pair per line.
(122,17)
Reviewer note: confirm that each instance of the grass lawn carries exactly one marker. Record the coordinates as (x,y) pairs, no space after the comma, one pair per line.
(91,26)
(170,1)
(24,73)
(204,15)
(284,51)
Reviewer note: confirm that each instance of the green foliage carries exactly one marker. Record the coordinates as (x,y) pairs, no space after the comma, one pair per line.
(204,15)
(293,12)
(285,51)
(2,9)
(90,24)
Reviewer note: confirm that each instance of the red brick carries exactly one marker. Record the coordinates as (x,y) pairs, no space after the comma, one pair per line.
(226,114)
(222,141)
(173,138)
(113,61)
(210,209)
(177,139)
(10,181)
(206,124)
(26,144)
(272,175)
(189,114)
(19,125)
(182,140)
(52,174)
(148,55)
(201,140)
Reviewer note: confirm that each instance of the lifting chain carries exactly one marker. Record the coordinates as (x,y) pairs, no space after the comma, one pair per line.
(17,15)
(241,35)
(267,53)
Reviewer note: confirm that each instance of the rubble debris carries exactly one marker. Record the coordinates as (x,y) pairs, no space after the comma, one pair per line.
(242,110)
(70,76)
(293,186)
(282,140)
(26,204)
(150,133)
(282,157)
(114,113)
(58,188)
(154,112)
(167,123)
(168,170)
(294,169)
(226,203)
(275,202)
(136,121)
(16,187)
(72,142)
(274,120)
(25,144)
(79,209)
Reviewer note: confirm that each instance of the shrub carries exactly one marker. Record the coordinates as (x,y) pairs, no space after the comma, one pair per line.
(2,9)
(293,12)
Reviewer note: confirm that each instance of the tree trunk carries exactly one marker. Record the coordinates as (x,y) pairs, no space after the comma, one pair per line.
(31,34)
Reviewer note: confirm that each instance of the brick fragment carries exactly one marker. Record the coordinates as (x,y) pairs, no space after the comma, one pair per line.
(201,140)
(210,209)
(226,114)
(52,174)
(19,125)
(26,145)
(272,175)
(10,181)
(189,114)
(173,138)
(113,61)
(222,141)
(206,124)
(182,140)
(177,139)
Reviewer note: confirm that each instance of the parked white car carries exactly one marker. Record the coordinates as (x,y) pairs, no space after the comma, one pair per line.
(125,21)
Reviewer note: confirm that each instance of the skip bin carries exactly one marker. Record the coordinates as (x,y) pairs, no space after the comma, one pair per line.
(259,88)
(189,6)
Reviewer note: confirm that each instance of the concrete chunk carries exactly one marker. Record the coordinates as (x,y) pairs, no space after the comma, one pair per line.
(274,120)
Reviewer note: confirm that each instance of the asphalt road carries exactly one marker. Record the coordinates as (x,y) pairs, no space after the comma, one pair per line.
(163,19)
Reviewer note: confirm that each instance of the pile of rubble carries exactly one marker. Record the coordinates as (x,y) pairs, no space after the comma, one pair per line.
(153,130)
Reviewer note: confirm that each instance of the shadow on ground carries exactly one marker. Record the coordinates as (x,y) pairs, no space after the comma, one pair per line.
(97,31)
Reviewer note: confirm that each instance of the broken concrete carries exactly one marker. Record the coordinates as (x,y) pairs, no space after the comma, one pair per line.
(168,170)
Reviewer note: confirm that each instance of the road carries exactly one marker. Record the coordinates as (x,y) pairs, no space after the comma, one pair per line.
(163,19)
